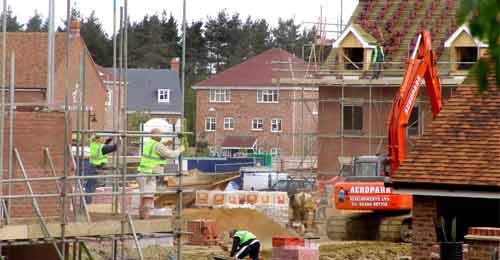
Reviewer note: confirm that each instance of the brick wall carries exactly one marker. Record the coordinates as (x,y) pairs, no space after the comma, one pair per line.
(482,242)
(244,107)
(33,131)
(424,234)
(330,146)
(31,252)
(95,93)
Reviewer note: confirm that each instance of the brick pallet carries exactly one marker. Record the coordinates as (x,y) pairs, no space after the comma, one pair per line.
(295,253)
(204,232)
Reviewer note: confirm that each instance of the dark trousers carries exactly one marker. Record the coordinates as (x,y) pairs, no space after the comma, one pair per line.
(377,68)
(252,250)
(89,184)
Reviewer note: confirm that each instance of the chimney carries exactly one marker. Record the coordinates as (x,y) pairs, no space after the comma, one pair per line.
(175,64)
(74,27)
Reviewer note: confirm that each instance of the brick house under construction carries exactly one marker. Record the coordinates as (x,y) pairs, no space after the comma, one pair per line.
(242,109)
(353,108)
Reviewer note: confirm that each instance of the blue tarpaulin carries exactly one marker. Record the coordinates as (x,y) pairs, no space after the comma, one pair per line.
(218,164)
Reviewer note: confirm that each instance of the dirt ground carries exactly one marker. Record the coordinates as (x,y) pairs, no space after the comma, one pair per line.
(328,251)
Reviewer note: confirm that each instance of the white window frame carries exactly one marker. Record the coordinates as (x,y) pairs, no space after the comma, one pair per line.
(228,123)
(209,122)
(163,95)
(267,96)
(275,151)
(109,99)
(257,119)
(219,95)
(275,122)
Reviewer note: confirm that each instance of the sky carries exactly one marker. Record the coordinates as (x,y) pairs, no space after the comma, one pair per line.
(271,10)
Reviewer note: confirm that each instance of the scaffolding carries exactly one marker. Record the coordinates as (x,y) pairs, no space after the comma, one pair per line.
(71,227)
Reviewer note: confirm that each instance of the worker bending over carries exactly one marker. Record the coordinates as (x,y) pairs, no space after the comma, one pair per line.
(153,161)
(97,160)
(244,244)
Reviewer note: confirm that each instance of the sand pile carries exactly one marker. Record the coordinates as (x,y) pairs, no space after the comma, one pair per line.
(364,251)
(259,224)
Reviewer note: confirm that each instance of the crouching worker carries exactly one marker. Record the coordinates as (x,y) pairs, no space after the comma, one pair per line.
(244,244)
(153,161)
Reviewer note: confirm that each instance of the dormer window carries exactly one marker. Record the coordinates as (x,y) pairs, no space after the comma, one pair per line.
(354,48)
(464,49)
(163,95)
(465,57)
(353,58)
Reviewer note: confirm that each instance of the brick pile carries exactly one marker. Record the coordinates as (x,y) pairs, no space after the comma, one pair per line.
(204,232)
(293,248)
(482,241)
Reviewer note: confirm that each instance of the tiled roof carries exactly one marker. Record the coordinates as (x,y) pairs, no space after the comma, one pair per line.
(397,22)
(461,146)
(31,57)
(239,142)
(257,71)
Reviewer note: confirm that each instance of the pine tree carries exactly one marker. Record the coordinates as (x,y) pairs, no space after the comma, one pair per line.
(97,40)
(12,24)
(34,23)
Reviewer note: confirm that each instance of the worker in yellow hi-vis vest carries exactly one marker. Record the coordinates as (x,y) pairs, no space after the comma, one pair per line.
(244,244)
(154,153)
(98,159)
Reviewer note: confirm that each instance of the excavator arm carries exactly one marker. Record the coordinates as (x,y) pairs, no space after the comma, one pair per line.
(421,66)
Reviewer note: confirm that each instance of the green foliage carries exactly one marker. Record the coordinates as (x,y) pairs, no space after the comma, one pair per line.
(34,23)
(446,229)
(12,24)
(136,119)
(483,19)
(100,47)
(202,149)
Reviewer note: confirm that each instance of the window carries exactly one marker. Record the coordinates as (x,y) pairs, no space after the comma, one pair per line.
(355,58)
(353,118)
(413,127)
(109,99)
(210,124)
(366,169)
(276,125)
(275,151)
(163,95)
(220,95)
(267,96)
(466,57)
(228,123)
(257,124)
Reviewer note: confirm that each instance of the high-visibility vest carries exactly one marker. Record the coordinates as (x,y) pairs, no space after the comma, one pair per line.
(376,53)
(97,158)
(150,157)
(244,236)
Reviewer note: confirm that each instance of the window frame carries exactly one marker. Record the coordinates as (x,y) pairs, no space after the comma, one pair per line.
(279,122)
(219,95)
(272,96)
(275,151)
(352,128)
(261,128)
(209,121)
(161,92)
(416,127)
(230,122)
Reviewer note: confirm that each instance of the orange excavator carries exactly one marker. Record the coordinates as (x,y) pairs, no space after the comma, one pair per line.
(362,189)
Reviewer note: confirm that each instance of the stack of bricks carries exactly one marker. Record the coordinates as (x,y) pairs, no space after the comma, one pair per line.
(204,232)
(483,241)
(293,248)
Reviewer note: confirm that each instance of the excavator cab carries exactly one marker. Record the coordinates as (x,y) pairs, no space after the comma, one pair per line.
(369,168)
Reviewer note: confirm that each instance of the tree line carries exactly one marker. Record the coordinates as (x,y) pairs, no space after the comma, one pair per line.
(212,45)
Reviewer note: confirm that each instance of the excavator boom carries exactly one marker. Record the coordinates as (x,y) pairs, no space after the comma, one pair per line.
(421,66)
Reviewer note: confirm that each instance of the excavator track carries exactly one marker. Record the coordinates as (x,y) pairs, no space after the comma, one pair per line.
(370,226)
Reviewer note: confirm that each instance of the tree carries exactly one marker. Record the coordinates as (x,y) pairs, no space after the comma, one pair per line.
(12,24)
(287,35)
(34,23)
(483,19)
(97,41)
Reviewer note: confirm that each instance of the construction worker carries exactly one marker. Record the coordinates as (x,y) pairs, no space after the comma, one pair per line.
(97,160)
(152,162)
(378,57)
(244,244)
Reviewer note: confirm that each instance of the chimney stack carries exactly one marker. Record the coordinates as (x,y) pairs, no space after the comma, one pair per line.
(175,64)
(74,27)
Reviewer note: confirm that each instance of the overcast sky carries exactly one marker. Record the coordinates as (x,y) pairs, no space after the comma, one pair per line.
(271,10)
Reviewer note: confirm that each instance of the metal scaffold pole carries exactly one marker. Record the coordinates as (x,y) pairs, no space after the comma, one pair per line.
(11,126)
(183,82)
(2,101)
